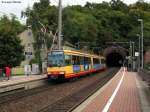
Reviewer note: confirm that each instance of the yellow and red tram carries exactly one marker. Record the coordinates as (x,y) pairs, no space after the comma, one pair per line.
(71,63)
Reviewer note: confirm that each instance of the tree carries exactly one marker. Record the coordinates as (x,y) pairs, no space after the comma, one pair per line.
(11,51)
(46,14)
(118,5)
(43,13)
(94,22)
(79,26)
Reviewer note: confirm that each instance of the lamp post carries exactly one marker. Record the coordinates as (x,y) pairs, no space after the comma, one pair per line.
(142,61)
(133,54)
(139,57)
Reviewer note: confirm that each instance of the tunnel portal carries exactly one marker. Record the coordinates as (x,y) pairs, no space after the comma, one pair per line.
(114,60)
(115,56)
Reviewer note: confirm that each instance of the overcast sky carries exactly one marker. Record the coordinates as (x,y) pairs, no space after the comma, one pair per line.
(8,6)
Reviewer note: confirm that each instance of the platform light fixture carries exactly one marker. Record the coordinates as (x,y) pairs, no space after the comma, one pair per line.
(142,60)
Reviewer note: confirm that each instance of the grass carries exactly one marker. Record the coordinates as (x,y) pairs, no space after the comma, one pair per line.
(18,71)
(17,74)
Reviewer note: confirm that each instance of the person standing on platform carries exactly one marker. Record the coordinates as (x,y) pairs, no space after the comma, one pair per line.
(7,72)
(27,69)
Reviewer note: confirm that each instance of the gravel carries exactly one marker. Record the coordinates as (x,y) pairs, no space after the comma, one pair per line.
(39,100)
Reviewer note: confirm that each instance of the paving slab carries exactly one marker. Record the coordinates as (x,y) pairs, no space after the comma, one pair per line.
(20,79)
(22,82)
(120,94)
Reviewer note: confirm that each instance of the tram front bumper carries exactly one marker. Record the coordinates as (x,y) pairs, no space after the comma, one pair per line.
(56,75)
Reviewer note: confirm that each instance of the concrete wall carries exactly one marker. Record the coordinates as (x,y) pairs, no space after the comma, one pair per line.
(24,85)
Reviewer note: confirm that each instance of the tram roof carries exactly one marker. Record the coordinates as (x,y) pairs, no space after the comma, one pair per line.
(81,53)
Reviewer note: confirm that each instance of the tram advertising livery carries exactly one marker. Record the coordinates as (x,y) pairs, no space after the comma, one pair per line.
(70,63)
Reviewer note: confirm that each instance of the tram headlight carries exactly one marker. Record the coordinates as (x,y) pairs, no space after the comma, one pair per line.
(61,72)
(49,73)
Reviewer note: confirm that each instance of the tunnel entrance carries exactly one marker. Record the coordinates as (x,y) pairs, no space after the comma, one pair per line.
(115,56)
(114,60)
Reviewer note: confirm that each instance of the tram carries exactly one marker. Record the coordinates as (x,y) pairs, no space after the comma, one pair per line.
(65,64)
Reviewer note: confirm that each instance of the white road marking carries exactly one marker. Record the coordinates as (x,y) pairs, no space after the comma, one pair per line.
(91,98)
(107,106)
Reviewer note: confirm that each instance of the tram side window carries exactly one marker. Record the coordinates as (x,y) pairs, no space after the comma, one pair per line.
(81,60)
(75,60)
(68,59)
(87,60)
(102,61)
(96,61)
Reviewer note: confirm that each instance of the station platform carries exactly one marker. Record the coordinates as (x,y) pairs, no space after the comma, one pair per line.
(24,82)
(123,93)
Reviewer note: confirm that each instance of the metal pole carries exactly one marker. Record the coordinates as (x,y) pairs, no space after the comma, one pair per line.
(139,53)
(60,25)
(131,53)
(142,60)
(133,56)
(142,44)
(133,49)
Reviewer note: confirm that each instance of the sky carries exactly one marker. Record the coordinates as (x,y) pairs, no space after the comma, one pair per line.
(16,6)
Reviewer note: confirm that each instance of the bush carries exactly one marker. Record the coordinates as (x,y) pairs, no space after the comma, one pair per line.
(33,61)
(147,66)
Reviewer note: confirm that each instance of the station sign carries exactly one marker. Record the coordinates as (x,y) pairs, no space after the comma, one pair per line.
(137,53)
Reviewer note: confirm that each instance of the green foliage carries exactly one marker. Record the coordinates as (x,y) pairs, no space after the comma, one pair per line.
(147,66)
(11,51)
(79,26)
(33,61)
(42,13)
(95,23)
(45,14)
(118,5)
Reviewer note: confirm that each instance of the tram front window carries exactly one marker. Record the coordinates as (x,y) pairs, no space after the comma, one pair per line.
(56,59)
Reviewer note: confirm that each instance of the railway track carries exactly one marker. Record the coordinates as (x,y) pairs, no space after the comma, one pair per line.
(17,95)
(55,97)
(68,103)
